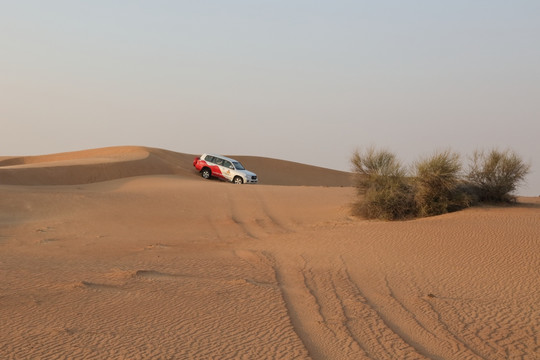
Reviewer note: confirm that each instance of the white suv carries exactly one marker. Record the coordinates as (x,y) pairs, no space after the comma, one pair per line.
(223,168)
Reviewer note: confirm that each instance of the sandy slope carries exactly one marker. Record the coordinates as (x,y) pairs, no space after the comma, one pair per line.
(176,267)
(89,166)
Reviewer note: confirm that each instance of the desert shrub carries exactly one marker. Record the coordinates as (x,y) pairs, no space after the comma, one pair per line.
(393,200)
(437,184)
(386,192)
(496,174)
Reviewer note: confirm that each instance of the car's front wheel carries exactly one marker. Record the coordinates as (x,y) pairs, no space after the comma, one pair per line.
(206,173)
(238,180)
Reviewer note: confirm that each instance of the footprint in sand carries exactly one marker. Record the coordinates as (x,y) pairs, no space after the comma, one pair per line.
(156,246)
(46,241)
(153,274)
(97,286)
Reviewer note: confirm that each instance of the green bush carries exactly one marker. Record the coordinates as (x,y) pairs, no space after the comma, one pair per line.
(496,174)
(437,182)
(382,183)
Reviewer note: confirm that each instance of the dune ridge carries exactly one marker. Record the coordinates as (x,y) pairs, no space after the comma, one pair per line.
(89,166)
(96,165)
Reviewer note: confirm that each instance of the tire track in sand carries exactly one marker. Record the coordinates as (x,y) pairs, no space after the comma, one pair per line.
(252,215)
(331,315)
(322,331)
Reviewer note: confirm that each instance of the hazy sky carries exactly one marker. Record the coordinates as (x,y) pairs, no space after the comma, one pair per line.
(301,80)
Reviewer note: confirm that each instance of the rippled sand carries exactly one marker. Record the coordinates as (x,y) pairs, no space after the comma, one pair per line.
(95,263)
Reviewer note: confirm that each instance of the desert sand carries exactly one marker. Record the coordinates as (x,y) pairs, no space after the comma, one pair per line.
(127,253)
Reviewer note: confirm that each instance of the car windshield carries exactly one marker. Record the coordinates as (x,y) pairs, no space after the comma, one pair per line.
(238,166)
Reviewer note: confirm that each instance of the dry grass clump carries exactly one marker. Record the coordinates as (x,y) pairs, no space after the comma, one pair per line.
(496,174)
(437,184)
(386,191)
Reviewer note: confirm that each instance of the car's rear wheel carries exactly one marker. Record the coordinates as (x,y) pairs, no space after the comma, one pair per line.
(206,173)
(238,180)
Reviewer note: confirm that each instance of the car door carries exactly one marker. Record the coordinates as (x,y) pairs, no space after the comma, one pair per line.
(212,161)
(227,169)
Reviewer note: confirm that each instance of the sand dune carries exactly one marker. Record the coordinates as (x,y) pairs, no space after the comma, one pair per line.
(134,262)
(89,166)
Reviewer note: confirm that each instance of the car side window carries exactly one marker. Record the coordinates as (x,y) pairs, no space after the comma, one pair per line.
(227,164)
(218,161)
(209,158)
